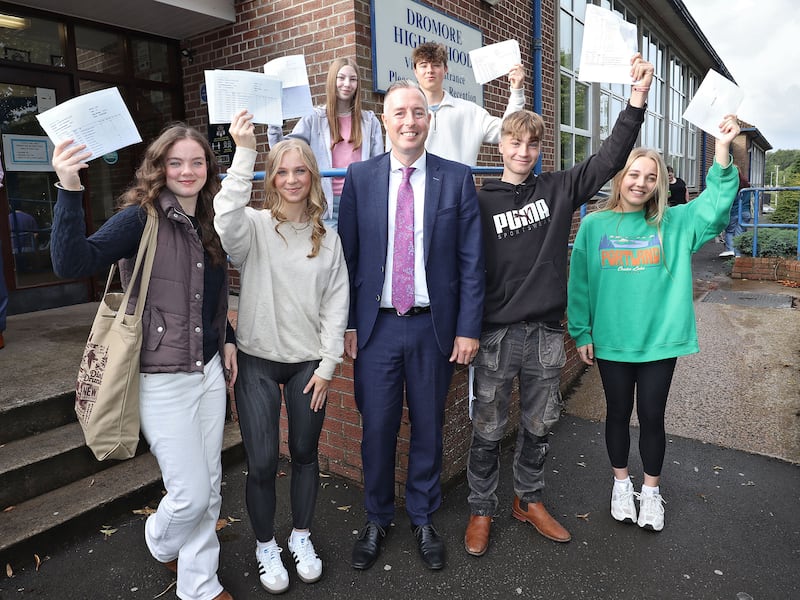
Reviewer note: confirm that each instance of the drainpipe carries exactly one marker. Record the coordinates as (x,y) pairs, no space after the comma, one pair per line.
(704,146)
(536,46)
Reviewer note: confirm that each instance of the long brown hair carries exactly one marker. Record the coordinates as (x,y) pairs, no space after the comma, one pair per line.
(151,179)
(356,137)
(315,203)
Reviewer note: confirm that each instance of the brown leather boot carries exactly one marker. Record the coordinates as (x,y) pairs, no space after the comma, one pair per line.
(172,565)
(536,514)
(476,539)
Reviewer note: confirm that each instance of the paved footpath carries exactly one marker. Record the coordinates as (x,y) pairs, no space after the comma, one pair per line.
(732,516)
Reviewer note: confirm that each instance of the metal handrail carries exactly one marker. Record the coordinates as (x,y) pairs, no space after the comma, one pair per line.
(756,213)
(259,175)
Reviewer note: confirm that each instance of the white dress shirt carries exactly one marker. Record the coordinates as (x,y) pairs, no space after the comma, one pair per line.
(418,185)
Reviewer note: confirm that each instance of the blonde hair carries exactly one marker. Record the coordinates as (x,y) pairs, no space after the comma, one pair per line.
(355,104)
(315,203)
(656,205)
(523,122)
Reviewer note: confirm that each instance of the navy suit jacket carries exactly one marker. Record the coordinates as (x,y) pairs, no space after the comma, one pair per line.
(452,241)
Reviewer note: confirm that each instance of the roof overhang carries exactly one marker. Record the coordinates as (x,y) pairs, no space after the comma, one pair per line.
(176,19)
(685,33)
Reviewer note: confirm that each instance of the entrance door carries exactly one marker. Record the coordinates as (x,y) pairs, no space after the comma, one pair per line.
(28,195)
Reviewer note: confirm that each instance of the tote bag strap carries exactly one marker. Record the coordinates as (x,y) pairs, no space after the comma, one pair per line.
(144,259)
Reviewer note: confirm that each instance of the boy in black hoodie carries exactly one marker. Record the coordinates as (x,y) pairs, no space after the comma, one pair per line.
(526,222)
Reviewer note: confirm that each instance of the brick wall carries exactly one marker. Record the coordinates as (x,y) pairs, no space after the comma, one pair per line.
(766,268)
(266,30)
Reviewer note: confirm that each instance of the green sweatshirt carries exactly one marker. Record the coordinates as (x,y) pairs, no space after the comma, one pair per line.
(630,294)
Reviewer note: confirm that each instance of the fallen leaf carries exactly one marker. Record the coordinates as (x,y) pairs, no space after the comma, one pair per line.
(9,570)
(147,511)
(9,508)
(345,507)
(37,560)
(281,473)
(108,531)
(233,520)
(324,475)
(581,464)
(221,524)
(91,483)
(584,516)
(717,468)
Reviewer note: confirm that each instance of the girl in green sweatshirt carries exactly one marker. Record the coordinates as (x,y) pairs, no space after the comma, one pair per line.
(630,305)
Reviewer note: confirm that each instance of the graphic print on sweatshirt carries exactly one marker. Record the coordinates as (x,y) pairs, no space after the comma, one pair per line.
(629,254)
(512,222)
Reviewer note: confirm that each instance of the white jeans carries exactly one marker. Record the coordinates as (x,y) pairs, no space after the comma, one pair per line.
(182,418)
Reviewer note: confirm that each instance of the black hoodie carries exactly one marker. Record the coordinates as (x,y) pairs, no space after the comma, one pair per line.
(526,230)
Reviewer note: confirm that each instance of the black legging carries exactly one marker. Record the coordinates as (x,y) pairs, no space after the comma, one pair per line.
(651,381)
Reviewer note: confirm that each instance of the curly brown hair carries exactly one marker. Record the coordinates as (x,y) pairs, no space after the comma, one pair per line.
(150,180)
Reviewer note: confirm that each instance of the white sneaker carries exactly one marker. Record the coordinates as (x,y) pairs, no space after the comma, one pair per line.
(623,508)
(309,565)
(271,571)
(651,511)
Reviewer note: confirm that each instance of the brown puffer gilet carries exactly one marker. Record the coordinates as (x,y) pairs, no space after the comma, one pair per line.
(172,323)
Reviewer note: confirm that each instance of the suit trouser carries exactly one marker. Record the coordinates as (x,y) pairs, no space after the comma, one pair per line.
(402,352)
(183,418)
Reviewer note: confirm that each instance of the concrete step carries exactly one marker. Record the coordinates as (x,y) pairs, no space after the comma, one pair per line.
(89,500)
(25,416)
(36,464)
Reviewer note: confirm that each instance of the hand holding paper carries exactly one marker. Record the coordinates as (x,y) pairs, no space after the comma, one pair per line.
(100,120)
(716,98)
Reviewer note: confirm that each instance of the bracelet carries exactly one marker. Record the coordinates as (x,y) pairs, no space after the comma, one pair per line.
(640,89)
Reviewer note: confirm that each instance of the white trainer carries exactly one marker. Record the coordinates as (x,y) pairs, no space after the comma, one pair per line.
(273,575)
(623,508)
(309,565)
(651,511)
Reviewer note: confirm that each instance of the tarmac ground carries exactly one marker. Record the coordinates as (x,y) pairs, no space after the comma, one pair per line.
(731,480)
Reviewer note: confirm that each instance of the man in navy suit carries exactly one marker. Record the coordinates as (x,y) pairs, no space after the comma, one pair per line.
(408,348)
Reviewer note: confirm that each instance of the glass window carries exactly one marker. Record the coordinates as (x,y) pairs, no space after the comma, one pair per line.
(150,60)
(100,51)
(153,111)
(576,113)
(31,40)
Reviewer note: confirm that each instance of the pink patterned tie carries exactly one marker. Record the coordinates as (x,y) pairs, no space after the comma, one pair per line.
(403,260)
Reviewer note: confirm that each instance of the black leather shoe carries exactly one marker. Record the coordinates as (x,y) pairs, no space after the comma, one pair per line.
(431,546)
(367,546)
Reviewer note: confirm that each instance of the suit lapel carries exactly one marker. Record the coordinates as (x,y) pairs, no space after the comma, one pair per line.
(433,190)
(377,201)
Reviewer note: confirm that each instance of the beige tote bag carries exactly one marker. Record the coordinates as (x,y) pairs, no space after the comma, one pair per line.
(107,390)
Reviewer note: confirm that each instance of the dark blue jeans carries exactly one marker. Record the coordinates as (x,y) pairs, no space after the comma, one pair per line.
(258,401)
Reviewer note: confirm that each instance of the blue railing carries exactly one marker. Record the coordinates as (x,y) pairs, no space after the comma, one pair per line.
(259,175)
(758,197)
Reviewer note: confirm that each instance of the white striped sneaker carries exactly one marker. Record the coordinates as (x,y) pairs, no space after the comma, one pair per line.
(273,575)
(309,565)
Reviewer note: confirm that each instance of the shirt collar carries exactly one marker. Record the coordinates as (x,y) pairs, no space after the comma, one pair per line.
(419,164)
